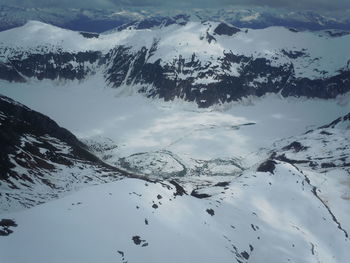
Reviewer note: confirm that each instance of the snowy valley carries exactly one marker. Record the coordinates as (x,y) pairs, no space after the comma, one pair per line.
(189,142)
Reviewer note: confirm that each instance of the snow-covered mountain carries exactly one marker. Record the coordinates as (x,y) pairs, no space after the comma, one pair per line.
(279,209)
(207,62)
(188,141)
(40,160)
(258,216)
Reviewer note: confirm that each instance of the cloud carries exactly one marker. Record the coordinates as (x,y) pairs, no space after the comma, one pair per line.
(60,3)
(103,4)
(289,4)
(302,4)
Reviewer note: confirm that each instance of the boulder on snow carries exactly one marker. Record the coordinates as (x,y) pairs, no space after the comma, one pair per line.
(267,166)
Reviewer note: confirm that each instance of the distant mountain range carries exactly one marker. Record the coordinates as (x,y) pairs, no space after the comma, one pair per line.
(96,20)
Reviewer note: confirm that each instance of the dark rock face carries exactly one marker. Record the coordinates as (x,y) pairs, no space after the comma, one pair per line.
(267,166)
(194,193)
(162,81)
(9,73)
(222,184)
(138,241)
(295,146)
(169,88)
(179,190)
(328,165)
(334,123)
(225,29)
(33,141)
(49,66)
(319,88)
(245,255)
(284,158)
(124,66)
(293,54)
(89,35)
(210,212)
(5,226)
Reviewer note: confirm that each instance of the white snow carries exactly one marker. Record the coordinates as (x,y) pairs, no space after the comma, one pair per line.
(271,217)
(136,124)
(325,146)
(258,213)
(324,55)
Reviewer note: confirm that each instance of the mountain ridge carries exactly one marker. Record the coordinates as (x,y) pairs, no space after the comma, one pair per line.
(191,61)
(40,160)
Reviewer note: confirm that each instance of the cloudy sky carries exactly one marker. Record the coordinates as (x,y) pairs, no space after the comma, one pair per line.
(321,5)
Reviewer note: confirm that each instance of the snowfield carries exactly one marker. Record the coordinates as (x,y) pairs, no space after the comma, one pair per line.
(241,216)
(134,124)
(257,217)
(261,179)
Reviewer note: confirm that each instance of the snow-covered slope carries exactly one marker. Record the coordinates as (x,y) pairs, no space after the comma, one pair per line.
(206,62)
(323,155)
(274,211)
(40,160)
(215,188)
(258,216)
(216,140)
